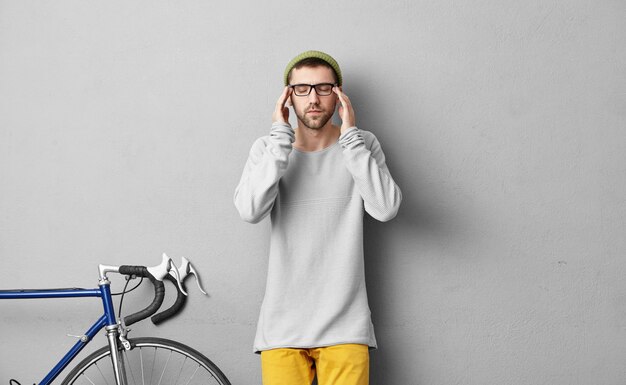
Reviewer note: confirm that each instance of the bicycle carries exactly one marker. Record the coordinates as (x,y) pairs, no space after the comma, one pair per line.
(126,361)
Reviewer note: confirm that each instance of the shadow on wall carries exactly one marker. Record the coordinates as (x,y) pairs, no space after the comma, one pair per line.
(418,222)
(425,222)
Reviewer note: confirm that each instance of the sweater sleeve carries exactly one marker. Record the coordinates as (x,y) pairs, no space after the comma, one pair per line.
(380,193)
(267,163)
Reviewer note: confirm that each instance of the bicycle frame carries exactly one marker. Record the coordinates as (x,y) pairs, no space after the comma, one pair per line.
(107,320)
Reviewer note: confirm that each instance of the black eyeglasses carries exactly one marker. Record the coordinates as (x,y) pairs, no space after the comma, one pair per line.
(322,89)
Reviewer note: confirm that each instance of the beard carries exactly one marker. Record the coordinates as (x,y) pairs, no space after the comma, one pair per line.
(314,122)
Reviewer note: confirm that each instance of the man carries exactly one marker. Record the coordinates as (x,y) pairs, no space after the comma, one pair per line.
(315,181)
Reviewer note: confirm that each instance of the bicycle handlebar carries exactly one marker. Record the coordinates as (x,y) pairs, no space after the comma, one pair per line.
(156,274)
(159,293)
(181,300)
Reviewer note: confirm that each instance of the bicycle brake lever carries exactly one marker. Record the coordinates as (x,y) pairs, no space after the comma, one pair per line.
(195,274)
(160,271)
(166,266)
(185,269)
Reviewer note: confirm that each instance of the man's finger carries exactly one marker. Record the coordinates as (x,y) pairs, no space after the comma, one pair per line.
(283,97)
(338,92)
(343,97)
(346,99)
(288,99)
(281,113)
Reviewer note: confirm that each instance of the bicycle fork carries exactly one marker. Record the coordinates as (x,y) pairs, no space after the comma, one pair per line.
(117,358)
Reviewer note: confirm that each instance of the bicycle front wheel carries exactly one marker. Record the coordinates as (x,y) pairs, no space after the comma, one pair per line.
(150,361)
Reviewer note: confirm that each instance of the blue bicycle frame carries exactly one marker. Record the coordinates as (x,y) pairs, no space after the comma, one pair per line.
(106,320)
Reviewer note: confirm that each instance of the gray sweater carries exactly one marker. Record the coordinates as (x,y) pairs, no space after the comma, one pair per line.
(315,292)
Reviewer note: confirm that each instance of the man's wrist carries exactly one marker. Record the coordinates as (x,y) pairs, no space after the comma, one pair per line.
(345,130)
(280,123)
(282,130)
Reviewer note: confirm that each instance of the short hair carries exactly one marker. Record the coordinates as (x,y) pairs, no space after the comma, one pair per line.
(312,62)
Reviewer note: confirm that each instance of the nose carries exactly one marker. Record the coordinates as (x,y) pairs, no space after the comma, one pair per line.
(313,98)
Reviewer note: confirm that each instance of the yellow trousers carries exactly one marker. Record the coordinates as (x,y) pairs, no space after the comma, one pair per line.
(345,364)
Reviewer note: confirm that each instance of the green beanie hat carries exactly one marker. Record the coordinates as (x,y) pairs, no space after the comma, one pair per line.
(316,54)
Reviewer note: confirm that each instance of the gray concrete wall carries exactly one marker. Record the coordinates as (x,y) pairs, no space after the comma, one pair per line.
(124,127)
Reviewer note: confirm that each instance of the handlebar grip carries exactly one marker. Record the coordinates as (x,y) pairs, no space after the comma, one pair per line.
(159,293)
(181,300)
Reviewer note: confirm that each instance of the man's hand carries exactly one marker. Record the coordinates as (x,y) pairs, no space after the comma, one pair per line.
(346,112)
(281,112)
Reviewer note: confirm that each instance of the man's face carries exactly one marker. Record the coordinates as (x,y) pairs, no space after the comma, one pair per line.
(313,111)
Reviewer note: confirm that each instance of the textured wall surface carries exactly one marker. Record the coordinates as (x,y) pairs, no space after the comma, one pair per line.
(124,128)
